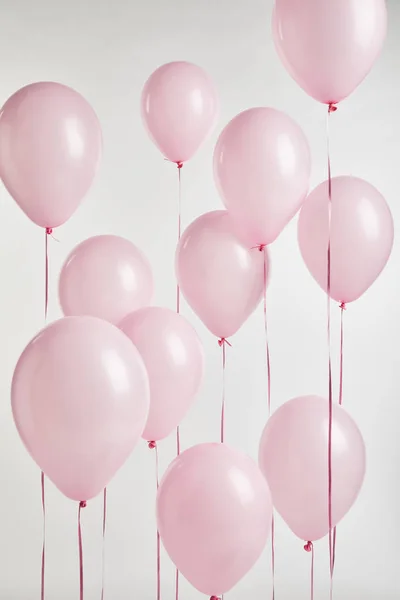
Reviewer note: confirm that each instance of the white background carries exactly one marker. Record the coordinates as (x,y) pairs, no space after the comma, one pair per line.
(106,50)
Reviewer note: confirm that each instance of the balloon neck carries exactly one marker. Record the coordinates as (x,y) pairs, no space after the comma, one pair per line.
(308,547)
(82,504)
(332,107)
(152,445)
(179,164)
(343,305)
(49,230)
(221,342)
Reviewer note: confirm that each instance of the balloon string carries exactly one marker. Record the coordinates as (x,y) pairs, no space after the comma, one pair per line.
(221,343)
(153,446)
(44,536)
(178,307)
(331,108)
(104,541)
(309,547)
(80,549)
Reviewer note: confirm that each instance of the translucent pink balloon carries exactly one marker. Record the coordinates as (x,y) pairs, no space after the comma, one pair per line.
(214,515)
(105,276)
(262,168)
(361,235)
(50,148)
(221,278)
(329,46)
(294,459)
(173,356)
(80,398)
(179,109)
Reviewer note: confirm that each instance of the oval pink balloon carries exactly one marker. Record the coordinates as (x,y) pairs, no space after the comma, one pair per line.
(294,459)
(179,109)
(262,168)
(173,356)
(80,398)
(361,236)
(214,515)
(50,148)
(221,278)
(105,276)
(328,46)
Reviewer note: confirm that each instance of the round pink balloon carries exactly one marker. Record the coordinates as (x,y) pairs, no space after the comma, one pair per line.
(294,459)
(329,46)
(361,236)
(50,148)
(179,109)
(173,356)
(80,398)
(105,276)
(214,515)
(262,168)
(220,277)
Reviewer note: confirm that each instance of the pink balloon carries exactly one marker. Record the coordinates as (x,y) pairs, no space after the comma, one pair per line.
(179,109)
(294,459)
(173,356)
(361,236)
(221,279)
(80,398)
(262,168)
(214,515)
(50,148)
(329,46)
(105,276)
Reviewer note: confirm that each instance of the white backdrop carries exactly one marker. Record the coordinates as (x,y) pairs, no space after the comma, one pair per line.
(106,50)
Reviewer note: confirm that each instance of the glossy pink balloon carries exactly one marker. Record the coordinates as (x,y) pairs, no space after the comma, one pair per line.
(173,356)
(294,459)
(179,109)
(262,168)
(80,398)
(105,276)
(50,148)
(329,46)
(221,278)
(361,235)
(214,515)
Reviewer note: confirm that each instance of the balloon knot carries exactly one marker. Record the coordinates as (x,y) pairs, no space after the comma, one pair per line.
(82,504)
(152,445)
(261,247)
(214,598)
(332,107)
(308,547)
(343,306)
(49,230)
(223,341)
(179,164)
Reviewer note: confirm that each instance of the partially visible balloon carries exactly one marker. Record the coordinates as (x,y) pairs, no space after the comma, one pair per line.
(50,148)
(262,168)
(361,236)
(214,515)
(219,276)
(105,276)
(179,109)
(329,47)
(80,398)
(173,356)
(293,456)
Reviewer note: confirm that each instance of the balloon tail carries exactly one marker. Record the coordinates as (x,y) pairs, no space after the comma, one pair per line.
(82,504)
(331,108)
(221,343)
(309,547)
(44,537)
(104,542)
